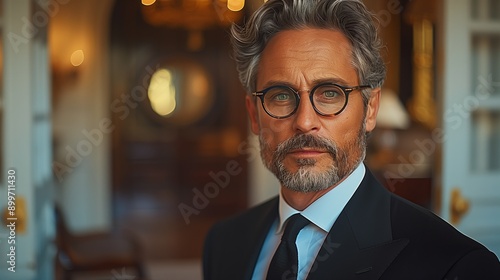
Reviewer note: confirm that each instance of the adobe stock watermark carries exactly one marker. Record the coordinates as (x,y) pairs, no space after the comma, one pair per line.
(221,9)
(393,7)
(221,179)
(31,26)
(327,249)
(455,116)
(75,155)
(122,106)
(122,276)
(201,198)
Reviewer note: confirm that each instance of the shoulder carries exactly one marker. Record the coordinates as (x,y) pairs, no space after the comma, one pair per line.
(231,244)
(439,246)
(411,220)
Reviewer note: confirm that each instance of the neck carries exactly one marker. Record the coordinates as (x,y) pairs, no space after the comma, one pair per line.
(300,200)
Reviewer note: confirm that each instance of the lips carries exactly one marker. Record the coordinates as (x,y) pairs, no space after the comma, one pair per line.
(304,146)
(308,151)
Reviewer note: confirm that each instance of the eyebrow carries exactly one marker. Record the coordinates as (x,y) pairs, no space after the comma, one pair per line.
(334,80)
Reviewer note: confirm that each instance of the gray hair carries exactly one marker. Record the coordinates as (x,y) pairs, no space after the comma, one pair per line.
(348,16)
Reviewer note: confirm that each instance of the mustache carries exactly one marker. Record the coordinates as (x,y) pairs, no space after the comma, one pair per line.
(306,141)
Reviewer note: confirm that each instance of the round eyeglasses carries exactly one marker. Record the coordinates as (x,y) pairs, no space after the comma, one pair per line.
(327,99)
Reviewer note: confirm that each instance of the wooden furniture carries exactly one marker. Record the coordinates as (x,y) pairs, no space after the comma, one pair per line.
(115,254)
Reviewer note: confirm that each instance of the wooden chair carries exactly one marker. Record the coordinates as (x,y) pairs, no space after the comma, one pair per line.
(100,253)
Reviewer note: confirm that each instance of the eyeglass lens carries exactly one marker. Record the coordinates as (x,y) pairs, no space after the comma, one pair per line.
(282,101)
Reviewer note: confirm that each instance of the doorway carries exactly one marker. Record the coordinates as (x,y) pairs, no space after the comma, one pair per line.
(175,160)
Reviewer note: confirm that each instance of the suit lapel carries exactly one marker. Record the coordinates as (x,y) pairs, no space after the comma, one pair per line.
(360,244)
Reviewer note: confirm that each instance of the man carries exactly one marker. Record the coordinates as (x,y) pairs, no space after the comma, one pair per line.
(313,72)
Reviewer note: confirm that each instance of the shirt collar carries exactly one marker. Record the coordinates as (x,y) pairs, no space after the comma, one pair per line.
(324,211)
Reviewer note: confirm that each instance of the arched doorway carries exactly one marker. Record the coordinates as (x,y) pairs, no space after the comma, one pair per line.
(176,168)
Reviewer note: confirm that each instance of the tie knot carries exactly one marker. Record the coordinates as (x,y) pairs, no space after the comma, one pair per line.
(295,223)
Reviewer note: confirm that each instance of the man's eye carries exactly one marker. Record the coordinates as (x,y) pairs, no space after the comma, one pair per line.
(282,97)
(331,94)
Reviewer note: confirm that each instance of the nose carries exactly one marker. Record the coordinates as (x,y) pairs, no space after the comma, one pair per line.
(305,118)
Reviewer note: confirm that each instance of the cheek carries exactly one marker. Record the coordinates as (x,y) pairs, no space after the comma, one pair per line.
(343,141)
(267,137)
(344,130)
(274,131)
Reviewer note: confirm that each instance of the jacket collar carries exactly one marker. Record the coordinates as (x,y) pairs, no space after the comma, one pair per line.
(360,243)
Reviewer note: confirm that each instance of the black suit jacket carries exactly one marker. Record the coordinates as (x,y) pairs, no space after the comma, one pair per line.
(378,235)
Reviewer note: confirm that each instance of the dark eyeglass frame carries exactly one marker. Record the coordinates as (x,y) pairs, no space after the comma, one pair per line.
(346,90)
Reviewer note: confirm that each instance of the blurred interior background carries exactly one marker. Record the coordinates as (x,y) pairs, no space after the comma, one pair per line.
(124,128)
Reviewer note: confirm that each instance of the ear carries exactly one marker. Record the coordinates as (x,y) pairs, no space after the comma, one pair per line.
(372,110)
(253,114)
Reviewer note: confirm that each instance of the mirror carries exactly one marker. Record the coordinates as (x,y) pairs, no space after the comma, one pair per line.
(180,92)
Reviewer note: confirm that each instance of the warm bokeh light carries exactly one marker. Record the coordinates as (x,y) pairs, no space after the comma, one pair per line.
(161,93)
(77,58)
(148,2)
(235,5)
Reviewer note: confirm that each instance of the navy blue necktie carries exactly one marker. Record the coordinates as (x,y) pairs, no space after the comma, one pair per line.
(284,264)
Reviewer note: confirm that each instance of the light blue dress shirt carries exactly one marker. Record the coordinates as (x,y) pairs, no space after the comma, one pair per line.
(322,213)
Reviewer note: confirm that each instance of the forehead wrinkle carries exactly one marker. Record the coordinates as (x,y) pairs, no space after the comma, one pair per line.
(284,78)
(300,58)
(306,74)
(324,62)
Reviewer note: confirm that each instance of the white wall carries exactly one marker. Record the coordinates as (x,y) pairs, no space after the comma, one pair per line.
(82,162)
(26,147)
(262,183)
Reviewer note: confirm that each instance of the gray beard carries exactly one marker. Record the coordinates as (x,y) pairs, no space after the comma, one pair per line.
(306,179)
